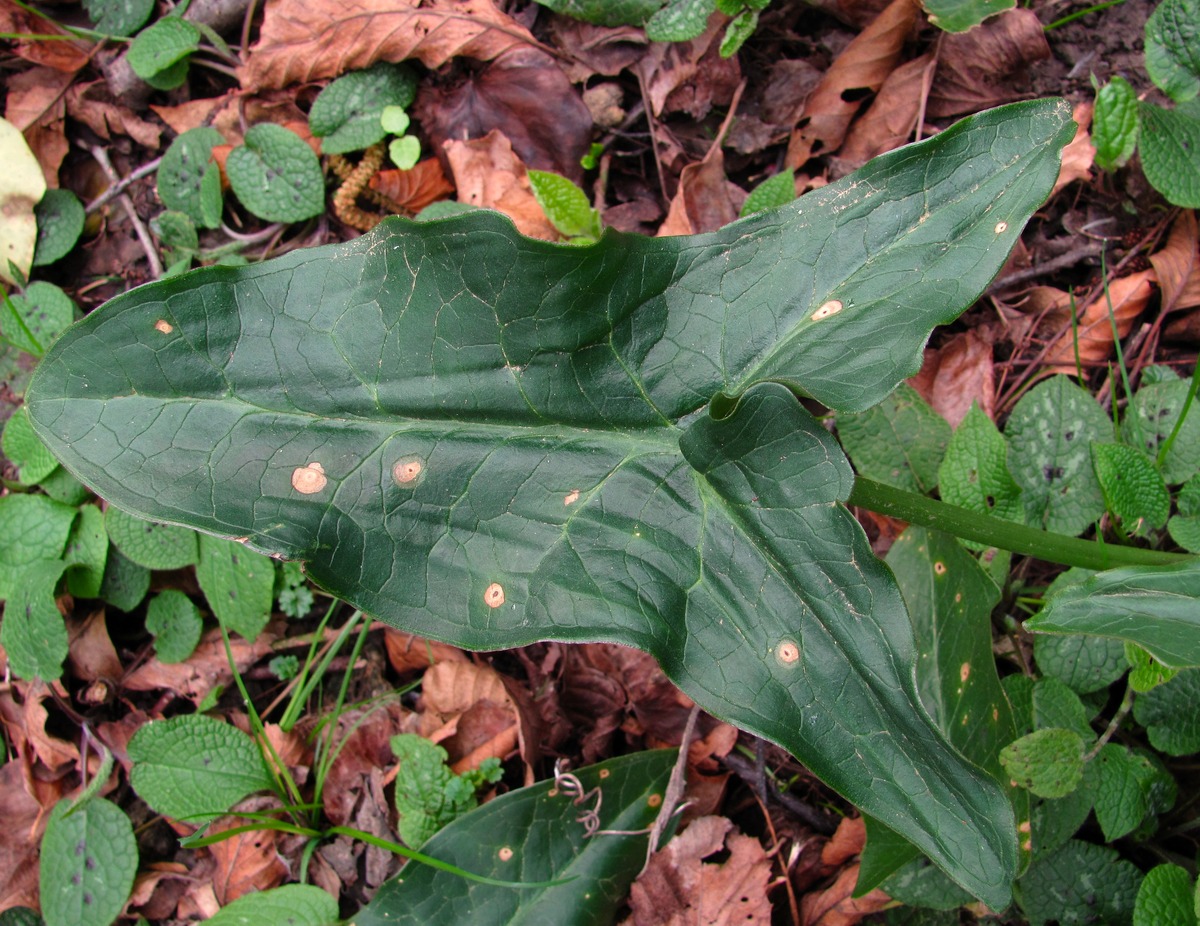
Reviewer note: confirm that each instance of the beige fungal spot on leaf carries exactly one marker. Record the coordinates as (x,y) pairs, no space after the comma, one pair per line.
(1001,228)
(604,773)
(505,854)
(309,479)
(964,671)
(788,652)
(408,471)
(493,596)
(164,326)
(572,497)
(832,307)
(939,568)
(654,800)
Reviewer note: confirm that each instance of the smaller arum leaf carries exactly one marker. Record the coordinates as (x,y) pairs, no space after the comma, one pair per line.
(961,15)
(158,50)
(771,193)
(1048,762)
(189,180)
(276,175)
(1152,606)
(44,312)
(974,472)
(118,17)
(1170,150)
(32,633)
(292,904)
(736,33)
(22,186)
(1115,124)
(89,859)
(507,838)
(565,205)
(1171,714)
(606,12)
(900,441)
(32,528)
(25,449)
(194,767)
(1122,795)
(1165,898)
(238,584)
(1084,664)
(1133,489)
(1173,48)
(125,582)
(1155,412)
(61,486)
(87,553)
(1145,672)
(346,114)
(60,219)
(175,623)
(149,544)
(679,21)
(1049,434)
(405,152)
(426,796)
(1077,884)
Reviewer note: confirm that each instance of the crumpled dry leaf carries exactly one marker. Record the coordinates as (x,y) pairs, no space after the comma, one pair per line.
(1128,295)
(67,55)
(488,174)
(956,375)
(410,191)
(704,201)
(524,95)
(303,40)
(92,105)
(891,118)
(469,711)
(366,737)
(593,50)
(36,106)
(1177,265)
(688,76)
(978,68)
(1079,154)
(92,656)
(679,889)
(837,905)
(20,839)
(206,668)
(858,71)
(249,861)
(409,653)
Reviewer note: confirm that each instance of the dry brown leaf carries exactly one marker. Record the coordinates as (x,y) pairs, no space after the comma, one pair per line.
(1080,153)
(413,190)
(58,755)
(688,76)
(524,95)
(857,72)
(890,121)
(249,861)
(679,889)
(409,653)
(67,56)
(488,174)
(956,375)
(37,106)
(366,737)
(192,114)
(593,50)
(206,668)
(92,656)
(303,40)
(1128,296)
(469,712)
(979,68)
(1178,265)
(92,105)
(20,837)
(837,905)
(846,842)
(704,201)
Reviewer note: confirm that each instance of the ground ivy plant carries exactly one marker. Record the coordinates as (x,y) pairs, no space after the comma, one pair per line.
(492,440)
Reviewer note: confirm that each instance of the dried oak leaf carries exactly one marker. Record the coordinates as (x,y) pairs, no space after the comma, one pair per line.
(978,69)
(20,838)
(957,374)
(249,861)
(1079,154)
(891,118)
(1128,297)
(36,105)
(679,889)
(856,73)
(93,105)
(303,40)
(206,668)
(62,54)
(487,173)
(1177,265)
(526,96)
(704,201)
(688,76)
(837,905)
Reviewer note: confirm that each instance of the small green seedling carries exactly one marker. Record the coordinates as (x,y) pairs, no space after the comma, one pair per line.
(348,114)
(566,206)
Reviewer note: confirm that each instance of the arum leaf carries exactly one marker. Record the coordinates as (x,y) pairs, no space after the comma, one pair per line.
(493,440)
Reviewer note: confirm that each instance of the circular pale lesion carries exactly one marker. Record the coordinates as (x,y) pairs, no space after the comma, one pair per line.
(493,596)
(309,479)
(1001,228)
(832,307)
(164,326)
(505,854)
(788,652)
(408,471)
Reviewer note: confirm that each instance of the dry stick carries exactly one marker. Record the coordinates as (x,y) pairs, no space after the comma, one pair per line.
(926,86)
(156,267)
(674,788)
(1062,262)
(122,185)
(727,121)
(662,179)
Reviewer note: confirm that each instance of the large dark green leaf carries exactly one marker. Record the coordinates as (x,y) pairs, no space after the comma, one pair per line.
(493,440)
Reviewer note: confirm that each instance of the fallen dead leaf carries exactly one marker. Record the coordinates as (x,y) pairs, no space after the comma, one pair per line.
(593,50)
(37,106)
(246,862)
(957,374)
(1079,154)
(837,905)
(688,76)
(365,737)
(1128,297)
(409,653)
(92,656)
(65,55)
(303,40)
(855,74)
(1177,265)
(679,889)
(92,105)
(410,191)
(704,201)
(979,68)
(847,841)
(488,174)
(469,712)
(20,837)
(891,118)
(204,670)
(524,95)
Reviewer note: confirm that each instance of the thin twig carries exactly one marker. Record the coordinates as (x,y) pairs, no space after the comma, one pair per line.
(674,787)
(1062,262)
(122,185)
(139,227)
(815,820)
(727,121)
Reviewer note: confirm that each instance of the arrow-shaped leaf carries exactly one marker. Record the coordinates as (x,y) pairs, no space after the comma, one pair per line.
(493,440)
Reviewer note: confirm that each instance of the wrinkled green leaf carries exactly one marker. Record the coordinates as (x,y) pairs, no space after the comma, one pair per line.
(159,50)
(1084,664)
(737,32)
(974,472)
(32,528)
(86,553)
(922,884)
(25,450)
(1153,415)
(607,12)
(237,583)
(118,17)
(189,180)
(1170,151)
(44,310)
(63,487)
(565,205)
(900,442)
(1173,48)
(60,219)
(32,633)
(89,858)
(1056,705)
(290,905)
(428,794)
(1049,435)
(961,15)
(405,152)
(536,834)
(1133,489)
(1152,606)
(346,114)
(175,623)
(1079,884)
(125,582)
(772,193)
(1165,898)
(20,916)
(679,21)
(1048,762)
(1171,714)
(150,544)
(1115,124)
(1056,821)
(494,440)
(276,175)
(1122,796)
(194,767)
(1145,672)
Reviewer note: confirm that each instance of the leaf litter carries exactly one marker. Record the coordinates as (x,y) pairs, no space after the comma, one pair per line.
(508,87)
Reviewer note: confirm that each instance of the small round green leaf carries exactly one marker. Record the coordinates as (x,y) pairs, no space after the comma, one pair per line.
(25,449)
(1047,762)
(61,486)
(189,181)
(158,50)
(899,442)
(292,904)
(565,204)
(32,528)
(771,193)
(1152,418)
(1170,716)
(32,633)
(87,553)
(1133,489)
(89,859)
(394,120)
(1083,663)
(175,623)
(193,766)
(974,472)
(43,312)
(1166,898)
(346,114)
(405,152)
(1173,48)
(679,21)
(118,17)
(1170,149)
(60,217)
(155,546)
(276,175)
(238,584)
(1115,124)
(125,582)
